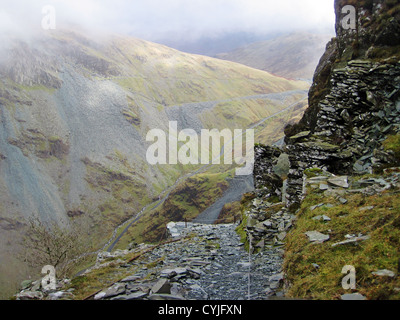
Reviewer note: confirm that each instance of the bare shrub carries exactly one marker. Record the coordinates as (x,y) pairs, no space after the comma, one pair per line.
(58,245)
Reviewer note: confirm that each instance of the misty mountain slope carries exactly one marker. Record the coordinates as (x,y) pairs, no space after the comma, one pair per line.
(98,98)
(293,56)
(74,116)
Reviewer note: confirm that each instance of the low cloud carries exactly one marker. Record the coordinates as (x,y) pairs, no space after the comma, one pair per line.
(158,19)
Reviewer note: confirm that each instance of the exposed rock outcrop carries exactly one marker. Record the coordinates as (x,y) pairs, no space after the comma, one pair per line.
(266,180)
(354,100)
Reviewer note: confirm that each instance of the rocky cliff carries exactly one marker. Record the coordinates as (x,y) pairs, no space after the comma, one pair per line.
(343,177)
(354,100)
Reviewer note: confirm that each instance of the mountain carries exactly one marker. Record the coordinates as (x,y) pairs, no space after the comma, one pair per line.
(74,114)
(291,56)
(215,44)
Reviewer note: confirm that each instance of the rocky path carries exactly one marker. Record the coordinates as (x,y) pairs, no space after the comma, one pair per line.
(206,262)
(201,262)
(197,262)
(233,274)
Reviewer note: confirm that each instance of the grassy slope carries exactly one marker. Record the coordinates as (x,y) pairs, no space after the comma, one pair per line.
(380,252)
(282,55)
(171,77)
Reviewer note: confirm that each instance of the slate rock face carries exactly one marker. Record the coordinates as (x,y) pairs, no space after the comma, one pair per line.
(266,180)
(353,102)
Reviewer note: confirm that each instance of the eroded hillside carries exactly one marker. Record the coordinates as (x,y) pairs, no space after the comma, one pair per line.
(75,111)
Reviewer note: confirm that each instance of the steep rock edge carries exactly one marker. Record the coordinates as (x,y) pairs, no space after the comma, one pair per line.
(342,181)
(354,99)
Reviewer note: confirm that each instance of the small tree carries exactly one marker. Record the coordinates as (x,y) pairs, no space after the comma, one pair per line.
(53,244)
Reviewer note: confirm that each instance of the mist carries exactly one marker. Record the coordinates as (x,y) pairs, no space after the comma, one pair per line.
(171,21)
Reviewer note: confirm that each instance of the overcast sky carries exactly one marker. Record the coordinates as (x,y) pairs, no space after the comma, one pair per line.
(179,19)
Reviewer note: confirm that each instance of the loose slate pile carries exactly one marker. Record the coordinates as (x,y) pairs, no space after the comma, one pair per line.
(211,264)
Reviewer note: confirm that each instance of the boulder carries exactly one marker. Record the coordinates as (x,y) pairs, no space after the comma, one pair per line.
(170,273)
(368,208)
(260,244)
(300,135)
(131,278)
(132,296)
(384,273)
(116,290)
(353,296)
(165,297)
(315,236)
(351,239)
(29,295)
(251,222)
(281,236)
(163,286)
(60,295)
(317,206)
(322,218)
(341,182)
(26,284)
(323,186)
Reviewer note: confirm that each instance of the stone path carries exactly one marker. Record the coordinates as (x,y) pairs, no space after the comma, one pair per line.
(214,265)
(201,262)
(232,273)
